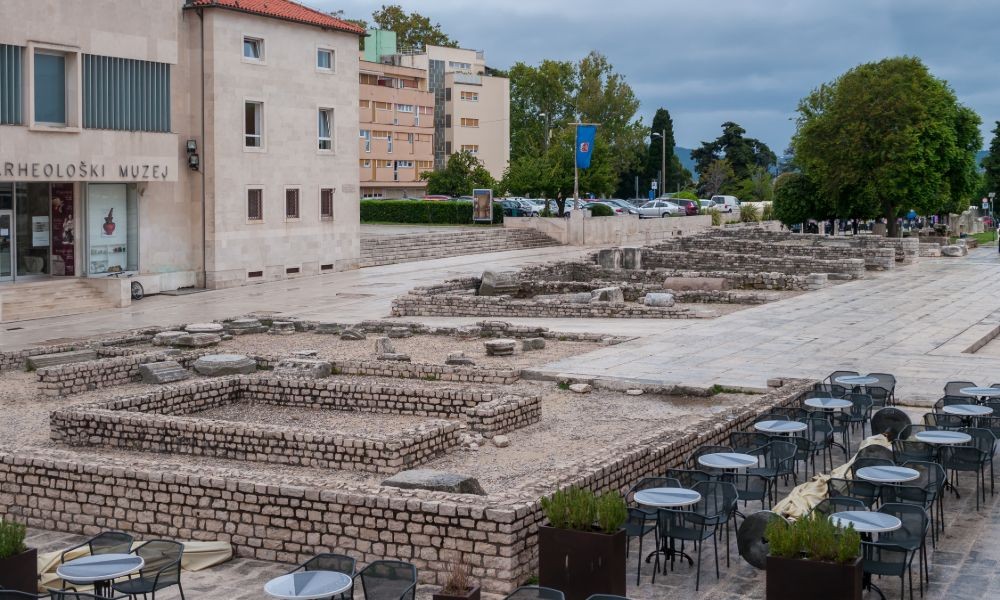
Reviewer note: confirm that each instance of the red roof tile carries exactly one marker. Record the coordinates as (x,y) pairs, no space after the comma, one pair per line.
(280,9)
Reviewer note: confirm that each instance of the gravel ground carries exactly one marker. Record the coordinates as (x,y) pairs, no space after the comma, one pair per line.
(327,421)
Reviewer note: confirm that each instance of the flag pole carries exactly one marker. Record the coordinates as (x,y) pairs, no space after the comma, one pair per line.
(576,169)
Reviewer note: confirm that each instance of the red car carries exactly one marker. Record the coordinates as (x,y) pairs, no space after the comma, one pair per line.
(690,207)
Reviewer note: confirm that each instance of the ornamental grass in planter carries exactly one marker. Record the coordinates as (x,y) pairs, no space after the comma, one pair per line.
(813,559)
(582,550)
(18,563)
(459,585)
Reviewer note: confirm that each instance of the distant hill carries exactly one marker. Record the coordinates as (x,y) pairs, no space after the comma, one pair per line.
(684,154)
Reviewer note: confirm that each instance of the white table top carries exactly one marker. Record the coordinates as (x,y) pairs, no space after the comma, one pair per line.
(967,410)
(727,460)
(779,426)
(943,437)
(308,585)
(828,403)
(880,474)
(855,380)
(865,521)
(981,391)
(667,497)
(99,567)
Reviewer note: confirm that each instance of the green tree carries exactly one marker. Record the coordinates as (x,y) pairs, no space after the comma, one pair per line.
(541,101)
(887,137)
(413,30)
(674,177)
(991,164)
(603,97)
(758,186)
(461,175)
(742,152)
(718,177)
(797,199)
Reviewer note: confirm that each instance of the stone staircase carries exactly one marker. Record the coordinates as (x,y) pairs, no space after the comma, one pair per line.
(49,298)
(392,249)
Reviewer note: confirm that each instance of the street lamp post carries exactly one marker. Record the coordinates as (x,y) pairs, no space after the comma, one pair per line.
(663,159)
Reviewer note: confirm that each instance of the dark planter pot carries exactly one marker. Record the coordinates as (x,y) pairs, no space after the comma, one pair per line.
(798,579)
(581,563)
(20,572)
(470,594)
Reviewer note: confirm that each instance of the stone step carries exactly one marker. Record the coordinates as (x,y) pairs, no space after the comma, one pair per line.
(49,298)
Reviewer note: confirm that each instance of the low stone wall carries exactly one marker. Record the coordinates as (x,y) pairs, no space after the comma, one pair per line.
(602,231)
(74,378)
(291,521)
(505,414)
(740,280)
(876,258)
(500,306)
(906,249)
(849,268)
(16,359)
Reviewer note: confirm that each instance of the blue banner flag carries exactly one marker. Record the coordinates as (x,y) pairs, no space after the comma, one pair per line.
(584,145)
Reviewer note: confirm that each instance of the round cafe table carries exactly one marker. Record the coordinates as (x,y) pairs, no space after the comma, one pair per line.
(779,427)
(886,474)
(855,380)
(829,404)
(308,585)
(980,392)
(942,437)
(730,461)
(967,410)
(100,570)
(667,497)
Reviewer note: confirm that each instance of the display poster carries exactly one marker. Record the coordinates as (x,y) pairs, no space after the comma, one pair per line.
(63,230)
(40,231)
(482,206)
(107,230)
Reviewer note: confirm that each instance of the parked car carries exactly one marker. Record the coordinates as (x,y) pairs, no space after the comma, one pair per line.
(437,197)
(512,208)
(706,204)
(616,209)
(691,207)
(726,203)
(528,208)
(627,208)
(659,208)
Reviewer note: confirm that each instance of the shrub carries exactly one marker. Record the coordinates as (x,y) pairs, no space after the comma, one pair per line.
(601,210)
(716,216)
(11,539)
(422,211)
(767,213)
(813,537)
(749,213)
(577,508)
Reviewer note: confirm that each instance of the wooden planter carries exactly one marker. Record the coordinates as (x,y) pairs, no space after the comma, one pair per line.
(20,572)
(581,563)
(800,579)
(470,594)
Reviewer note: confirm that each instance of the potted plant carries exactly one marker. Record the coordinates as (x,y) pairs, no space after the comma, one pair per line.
(18,564)
(459,585)
(582,550)
(813,559)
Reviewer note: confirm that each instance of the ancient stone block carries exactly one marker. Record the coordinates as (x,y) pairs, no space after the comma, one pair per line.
(282,328)
(399,332)
(533,344)
(468,332)
(167,371)
(581,388)
(500,347)
(613,295)
(609,258)
(632,259)
(954,250)
(329,328)
(166,338)
(352,334)
(501,441)
(686,284)
(658,299)
(196,340)
(60,358)
(458,359)
(244,326)
(204,328)
(214,365)
(303,367)
(497,282)
(438,481)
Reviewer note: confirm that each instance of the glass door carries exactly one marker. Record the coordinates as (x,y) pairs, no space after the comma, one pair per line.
(6,245)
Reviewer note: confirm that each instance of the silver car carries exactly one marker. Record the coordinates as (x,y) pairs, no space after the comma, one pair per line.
(659,208)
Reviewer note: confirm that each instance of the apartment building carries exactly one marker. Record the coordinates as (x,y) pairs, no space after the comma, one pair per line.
(176,142)
(471,107)
(396,112)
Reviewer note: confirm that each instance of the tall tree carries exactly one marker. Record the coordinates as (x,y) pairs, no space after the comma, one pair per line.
(603,97)
(797,199)
(673,178)
(413,30)
(716,178)
(541,101)
(887,137)
(459,177)
(991,164)
(741,152)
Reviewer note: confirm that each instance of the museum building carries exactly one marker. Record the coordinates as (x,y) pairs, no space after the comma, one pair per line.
(178,144)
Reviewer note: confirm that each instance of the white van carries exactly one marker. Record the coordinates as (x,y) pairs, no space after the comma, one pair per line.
(725,203)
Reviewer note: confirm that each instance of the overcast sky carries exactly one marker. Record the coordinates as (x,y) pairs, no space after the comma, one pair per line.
(748,61)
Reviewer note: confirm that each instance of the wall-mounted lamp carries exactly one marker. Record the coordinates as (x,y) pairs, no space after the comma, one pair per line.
(192,151)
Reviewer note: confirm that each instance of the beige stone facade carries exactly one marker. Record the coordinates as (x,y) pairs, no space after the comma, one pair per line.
(396,144)
(105,187)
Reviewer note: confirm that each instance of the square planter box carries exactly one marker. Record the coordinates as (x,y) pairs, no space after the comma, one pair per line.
(20,572)
(581,563)
(798,579)
(471,594)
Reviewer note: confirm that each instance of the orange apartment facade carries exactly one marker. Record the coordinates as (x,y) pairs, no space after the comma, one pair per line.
(396,144)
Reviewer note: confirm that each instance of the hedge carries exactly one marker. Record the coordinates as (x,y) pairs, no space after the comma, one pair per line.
(422,211)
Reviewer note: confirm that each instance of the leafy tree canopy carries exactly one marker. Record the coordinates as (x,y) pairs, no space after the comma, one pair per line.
(676,175)
(717,178)
(413,30)
(461,175)
(887,137)
(991,164)
(741,152)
